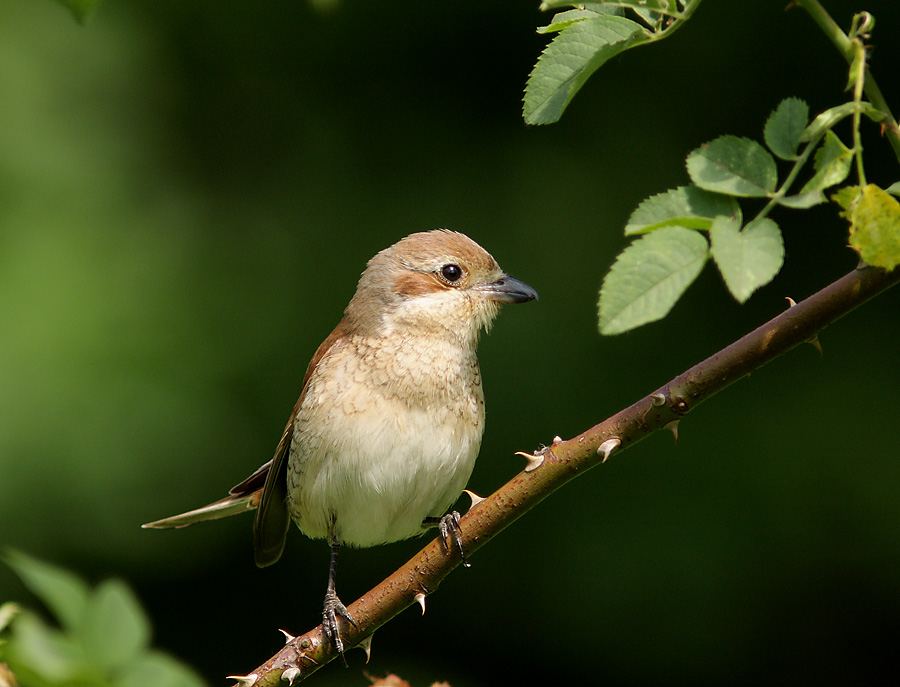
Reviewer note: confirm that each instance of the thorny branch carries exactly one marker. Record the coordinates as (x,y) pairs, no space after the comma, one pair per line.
(563,460)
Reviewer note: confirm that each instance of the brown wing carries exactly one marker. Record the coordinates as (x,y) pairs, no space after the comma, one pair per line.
(272,518)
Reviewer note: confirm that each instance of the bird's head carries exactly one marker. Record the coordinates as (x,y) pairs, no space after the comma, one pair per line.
(435,281)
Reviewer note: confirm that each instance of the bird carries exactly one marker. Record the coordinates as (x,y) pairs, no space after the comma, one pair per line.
(390,418)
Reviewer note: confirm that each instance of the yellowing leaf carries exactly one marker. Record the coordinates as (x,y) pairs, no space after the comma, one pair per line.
(875,227)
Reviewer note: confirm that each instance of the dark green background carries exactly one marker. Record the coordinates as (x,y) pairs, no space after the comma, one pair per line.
(188,192)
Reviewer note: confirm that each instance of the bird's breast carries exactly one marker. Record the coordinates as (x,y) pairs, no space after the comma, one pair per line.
(386,435)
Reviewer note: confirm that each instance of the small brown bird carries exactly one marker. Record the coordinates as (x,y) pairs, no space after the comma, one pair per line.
(391,413)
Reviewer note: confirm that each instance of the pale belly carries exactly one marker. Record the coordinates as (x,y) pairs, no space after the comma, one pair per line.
(368,470)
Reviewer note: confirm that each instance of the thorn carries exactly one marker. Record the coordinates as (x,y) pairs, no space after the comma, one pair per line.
(248,680)
(607,447)
(791,302)
(658,399)
(476,499)
(673,427)
(366,645)
(420,599)
(815,342)
(290,675)
(288,637)
(534,460)
(557,440)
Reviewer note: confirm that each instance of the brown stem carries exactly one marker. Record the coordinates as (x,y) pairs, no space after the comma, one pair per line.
(564,460)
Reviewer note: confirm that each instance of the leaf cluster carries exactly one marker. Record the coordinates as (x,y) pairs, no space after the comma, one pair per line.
(684,227)
(103,638)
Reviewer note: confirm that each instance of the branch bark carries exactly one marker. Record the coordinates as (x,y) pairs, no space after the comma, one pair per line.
(564,460)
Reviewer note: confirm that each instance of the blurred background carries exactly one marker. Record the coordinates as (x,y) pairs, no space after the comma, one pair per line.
(188,193)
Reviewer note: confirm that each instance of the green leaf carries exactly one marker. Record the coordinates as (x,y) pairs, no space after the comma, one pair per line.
(785,126)
(832,164)
(565,19)
(802,201)
(159,670)
(894,188)
(80,9)
(733,165)
(64,593)
(570,59)
(875,227)
(648,278)
(747,259)
(46,651)
(115,628)
(685,206)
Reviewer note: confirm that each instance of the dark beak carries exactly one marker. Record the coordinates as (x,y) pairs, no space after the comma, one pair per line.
(509,290)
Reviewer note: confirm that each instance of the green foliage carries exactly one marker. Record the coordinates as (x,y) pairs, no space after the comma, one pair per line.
(649,277)
(685,206)
(831,165)
(784,127)
(732,165)
(645,281)
(587,37)
(64,593)
(747,258)
(642,285)
(103,641)
(582,46)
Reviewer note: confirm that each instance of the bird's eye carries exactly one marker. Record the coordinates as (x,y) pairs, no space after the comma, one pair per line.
(451,273)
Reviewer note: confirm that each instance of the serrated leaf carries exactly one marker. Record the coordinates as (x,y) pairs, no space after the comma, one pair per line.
(80,9)
(733,165)
(747,259)
(649,276)
(115,628)
(64,593)
(875,227)
(685,206)
(570,59)
(832,164)
(785,126)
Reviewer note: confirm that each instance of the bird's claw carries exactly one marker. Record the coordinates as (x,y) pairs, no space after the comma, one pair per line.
(449,527)
(333,610)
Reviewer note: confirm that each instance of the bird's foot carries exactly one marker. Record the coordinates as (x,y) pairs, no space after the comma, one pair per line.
(450,530)
(333,610)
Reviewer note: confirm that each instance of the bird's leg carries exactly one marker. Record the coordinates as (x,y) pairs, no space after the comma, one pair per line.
(334,608)
(449,529)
